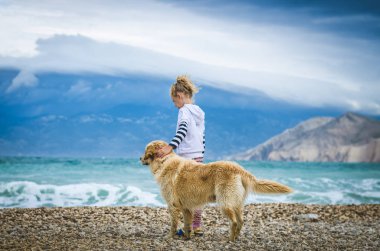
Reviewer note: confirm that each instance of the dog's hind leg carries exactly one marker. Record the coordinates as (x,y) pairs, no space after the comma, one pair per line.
(188,220)
(239,218)
(230,196)
(231,215)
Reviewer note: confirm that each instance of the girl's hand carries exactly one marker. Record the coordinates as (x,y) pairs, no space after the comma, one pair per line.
(164,151)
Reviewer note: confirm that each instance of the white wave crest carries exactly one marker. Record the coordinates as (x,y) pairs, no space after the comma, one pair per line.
(30,194)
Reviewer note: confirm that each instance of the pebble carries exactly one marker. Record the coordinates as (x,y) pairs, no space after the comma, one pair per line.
(268,226)
(307,217)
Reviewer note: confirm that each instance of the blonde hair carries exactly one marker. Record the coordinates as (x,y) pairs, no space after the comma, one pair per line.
(184,85)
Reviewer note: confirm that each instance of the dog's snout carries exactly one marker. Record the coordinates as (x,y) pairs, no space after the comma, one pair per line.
(142,160)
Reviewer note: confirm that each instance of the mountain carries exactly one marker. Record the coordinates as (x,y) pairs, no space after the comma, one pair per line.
(348,138)
(92,115)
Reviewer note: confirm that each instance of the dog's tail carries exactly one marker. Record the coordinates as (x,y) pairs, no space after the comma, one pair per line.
(261,186)
(268,186)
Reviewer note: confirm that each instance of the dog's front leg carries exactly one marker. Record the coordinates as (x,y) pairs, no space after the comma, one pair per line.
(174,218)
(188,220)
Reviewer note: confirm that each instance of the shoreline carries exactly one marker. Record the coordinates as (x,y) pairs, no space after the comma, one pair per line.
(267,226)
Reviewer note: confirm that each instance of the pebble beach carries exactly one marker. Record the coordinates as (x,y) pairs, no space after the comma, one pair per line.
(272,226)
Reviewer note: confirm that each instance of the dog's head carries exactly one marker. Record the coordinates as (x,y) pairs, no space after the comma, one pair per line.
(151,151)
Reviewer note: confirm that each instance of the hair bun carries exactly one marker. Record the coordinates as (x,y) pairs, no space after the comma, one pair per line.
(183,84)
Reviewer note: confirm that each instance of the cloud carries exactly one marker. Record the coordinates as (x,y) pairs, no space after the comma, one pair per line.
(347,19)
(82,54)
(288,61)
(24,78)
(80,88)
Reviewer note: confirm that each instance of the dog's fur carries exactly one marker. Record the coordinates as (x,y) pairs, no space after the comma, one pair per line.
(187,185)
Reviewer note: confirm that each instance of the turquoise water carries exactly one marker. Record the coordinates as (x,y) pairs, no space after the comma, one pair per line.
(38,182)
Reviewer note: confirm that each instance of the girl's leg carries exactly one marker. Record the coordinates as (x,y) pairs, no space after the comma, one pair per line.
(197,221)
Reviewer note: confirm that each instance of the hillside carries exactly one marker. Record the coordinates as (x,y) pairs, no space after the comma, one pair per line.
(349,138)
(96,115)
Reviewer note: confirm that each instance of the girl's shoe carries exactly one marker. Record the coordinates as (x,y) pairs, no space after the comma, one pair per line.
(180,232)
(198,231)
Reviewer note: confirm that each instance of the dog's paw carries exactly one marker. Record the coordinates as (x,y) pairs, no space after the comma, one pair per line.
(187,236)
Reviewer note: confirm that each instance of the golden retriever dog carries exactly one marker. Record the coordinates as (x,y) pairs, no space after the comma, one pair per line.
(187,185)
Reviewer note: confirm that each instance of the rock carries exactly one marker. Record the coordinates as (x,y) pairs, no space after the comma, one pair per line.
(306,217)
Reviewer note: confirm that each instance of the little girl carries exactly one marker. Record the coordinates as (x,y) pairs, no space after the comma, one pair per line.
(189,140)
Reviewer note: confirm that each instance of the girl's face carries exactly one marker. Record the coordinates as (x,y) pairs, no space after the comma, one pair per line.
(178,100)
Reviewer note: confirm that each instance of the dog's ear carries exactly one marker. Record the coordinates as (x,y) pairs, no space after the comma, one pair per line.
(153,148)
(151,152)
(159,144)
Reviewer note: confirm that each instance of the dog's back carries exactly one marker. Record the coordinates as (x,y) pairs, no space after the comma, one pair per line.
(224,182)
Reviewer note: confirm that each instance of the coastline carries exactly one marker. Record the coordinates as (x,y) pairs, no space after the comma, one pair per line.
(268,226)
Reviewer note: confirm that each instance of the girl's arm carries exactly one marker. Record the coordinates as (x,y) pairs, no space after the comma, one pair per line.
(180,135)
(174,143)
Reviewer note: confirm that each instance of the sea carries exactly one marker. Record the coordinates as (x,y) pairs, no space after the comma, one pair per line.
(30,182)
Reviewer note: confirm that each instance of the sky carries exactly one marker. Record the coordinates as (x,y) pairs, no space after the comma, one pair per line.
(311,53)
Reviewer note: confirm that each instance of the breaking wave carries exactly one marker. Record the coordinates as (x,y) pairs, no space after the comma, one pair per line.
(30,194)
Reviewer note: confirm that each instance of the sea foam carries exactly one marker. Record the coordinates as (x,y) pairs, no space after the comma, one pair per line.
(30,194)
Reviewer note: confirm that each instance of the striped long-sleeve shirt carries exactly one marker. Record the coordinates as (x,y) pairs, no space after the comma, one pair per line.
(180,135)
